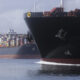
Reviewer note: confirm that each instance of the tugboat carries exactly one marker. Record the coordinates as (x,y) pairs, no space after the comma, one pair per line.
(57,35)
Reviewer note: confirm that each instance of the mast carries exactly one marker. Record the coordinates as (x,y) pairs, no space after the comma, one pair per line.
(61,3)
(34,6)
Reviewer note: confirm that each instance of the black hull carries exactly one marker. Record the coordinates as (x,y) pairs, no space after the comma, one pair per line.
(56,37)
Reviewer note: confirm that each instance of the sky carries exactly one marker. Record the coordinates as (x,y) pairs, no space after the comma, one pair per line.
(12,11)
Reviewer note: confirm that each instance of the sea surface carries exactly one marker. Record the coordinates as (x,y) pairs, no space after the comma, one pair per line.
(28,69)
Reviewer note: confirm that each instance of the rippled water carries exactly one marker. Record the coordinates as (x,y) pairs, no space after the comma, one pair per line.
(27,69)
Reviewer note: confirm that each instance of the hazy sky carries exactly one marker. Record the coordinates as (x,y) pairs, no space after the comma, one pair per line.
(11,12)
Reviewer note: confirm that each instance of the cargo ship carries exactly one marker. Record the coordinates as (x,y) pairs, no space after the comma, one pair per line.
(57,35)
(14,45)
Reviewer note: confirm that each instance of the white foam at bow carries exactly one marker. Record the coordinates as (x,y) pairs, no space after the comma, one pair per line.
(54,63)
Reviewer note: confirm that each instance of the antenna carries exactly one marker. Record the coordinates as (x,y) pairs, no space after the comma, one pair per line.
(61,4)
(34,6)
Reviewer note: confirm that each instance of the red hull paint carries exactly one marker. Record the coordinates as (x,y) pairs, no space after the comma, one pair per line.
(20,56)
(68,61)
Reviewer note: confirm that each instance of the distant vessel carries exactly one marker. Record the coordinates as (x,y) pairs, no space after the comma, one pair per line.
(57,35)
(13,45)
